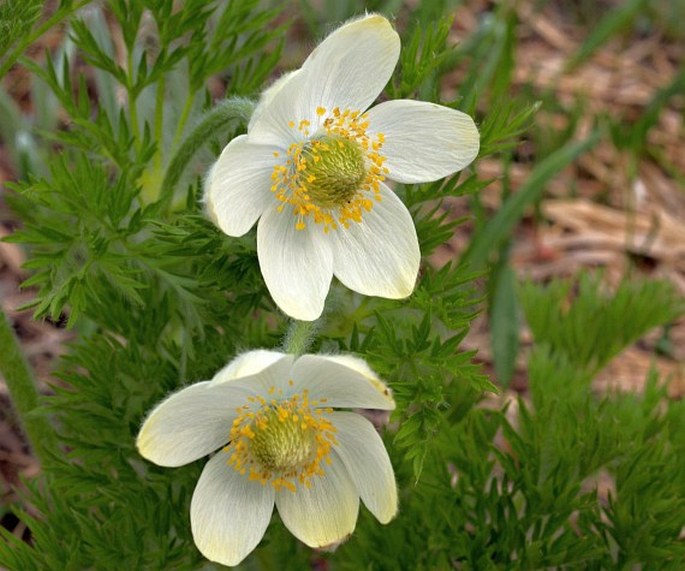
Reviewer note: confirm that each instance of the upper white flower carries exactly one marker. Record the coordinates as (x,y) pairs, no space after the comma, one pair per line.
(313,165)
(281,440)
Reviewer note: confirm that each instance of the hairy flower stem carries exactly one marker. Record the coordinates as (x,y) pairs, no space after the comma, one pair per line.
(22,389)
(220,116)
(299,337)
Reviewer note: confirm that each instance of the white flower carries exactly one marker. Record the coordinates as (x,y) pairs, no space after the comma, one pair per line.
(313,168)
(281,439)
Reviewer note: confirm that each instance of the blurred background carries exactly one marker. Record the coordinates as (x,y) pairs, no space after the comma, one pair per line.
(618,210)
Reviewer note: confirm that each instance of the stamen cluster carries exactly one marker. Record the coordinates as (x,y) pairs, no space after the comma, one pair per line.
(282,442)
(332,177)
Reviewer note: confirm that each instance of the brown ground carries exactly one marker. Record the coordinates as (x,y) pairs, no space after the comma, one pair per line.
(596,213)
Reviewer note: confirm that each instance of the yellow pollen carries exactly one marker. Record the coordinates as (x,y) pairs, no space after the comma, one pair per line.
(334,176)
(282,443)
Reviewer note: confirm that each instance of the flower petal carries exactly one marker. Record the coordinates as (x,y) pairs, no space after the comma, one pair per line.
(366,459)
(268,95)
(379,255)
(340,385)
(356,364)
(190,423)
(238,187)
(324,513)
(297,265)
(228,513)
(347,70)
(423,141)
(264,382)
(247,364)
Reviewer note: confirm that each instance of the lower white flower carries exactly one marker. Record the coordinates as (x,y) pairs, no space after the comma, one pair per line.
(282,440)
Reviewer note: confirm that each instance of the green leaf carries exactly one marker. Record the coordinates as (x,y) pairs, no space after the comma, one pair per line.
(504,323)
(616,20)
(589,326)
(500,226)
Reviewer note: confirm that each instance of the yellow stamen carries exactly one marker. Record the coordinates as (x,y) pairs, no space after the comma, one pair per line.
(335,176)
(283,443)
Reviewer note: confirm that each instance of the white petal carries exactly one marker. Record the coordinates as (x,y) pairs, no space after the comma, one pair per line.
(348,70)
(297,265)
(268,95)
(190,423)
(362,367)
(379,255)
(247,364)
(340,385)
(269,381)
(356,364)
(366,459)
(423,141)
(324,513)
(238,188)
(228,513)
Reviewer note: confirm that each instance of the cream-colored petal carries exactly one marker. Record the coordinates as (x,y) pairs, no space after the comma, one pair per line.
(379,255)
(268,95)
(324,513)
(268,381)
(238,187)
(366,459)
(354,363)
(347,70)
(190,423)
(297,265)
(423,141)
(362,367)
(228,513)
(248,364)
(340,385)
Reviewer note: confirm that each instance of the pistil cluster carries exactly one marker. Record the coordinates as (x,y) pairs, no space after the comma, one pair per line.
(334,176)
(281,442)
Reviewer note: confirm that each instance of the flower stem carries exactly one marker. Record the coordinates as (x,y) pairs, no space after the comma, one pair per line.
(229,110)
(23,392)
(300,336)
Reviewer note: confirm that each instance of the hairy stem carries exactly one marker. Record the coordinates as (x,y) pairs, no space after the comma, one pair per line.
(22,389)
(216,119)
(299,337)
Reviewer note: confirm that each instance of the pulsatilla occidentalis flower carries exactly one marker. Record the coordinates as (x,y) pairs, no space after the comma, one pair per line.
(314,168)
(280,438)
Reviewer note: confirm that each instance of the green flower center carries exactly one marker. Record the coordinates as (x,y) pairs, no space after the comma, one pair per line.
(334,176)
(280,443)
(333,170)
(283,442)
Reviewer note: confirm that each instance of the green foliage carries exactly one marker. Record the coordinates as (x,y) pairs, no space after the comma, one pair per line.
(590,327)
(504,320)
(567,481)
(16,19)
